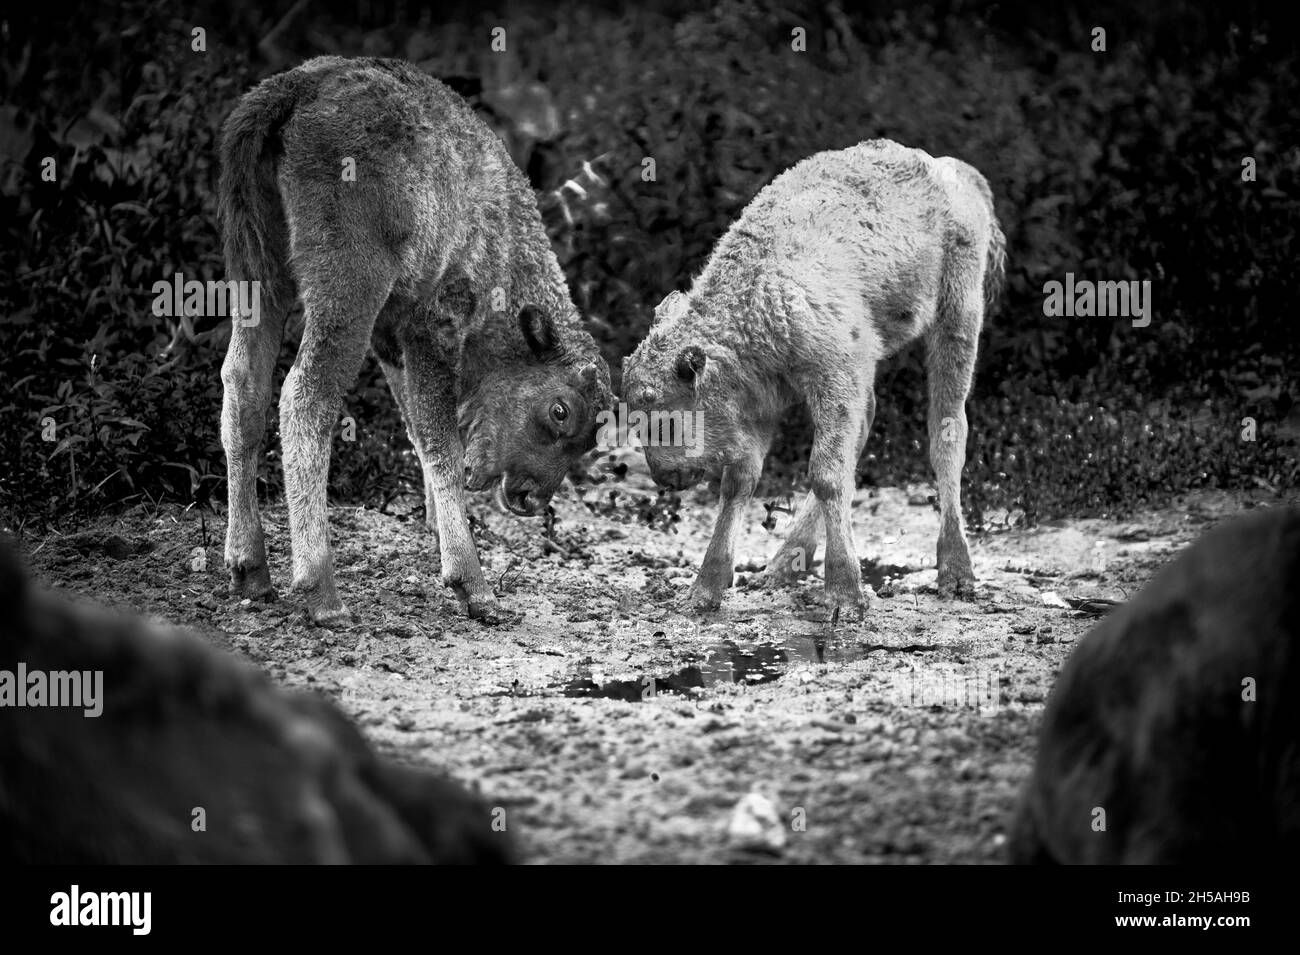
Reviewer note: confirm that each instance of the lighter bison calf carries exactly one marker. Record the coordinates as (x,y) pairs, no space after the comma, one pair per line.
(373,193)
(1173,732)
(836,265)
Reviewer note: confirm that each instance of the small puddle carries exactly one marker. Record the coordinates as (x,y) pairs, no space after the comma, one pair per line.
(727,662)
(876,573)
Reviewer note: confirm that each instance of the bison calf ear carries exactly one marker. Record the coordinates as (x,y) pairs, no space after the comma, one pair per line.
(690,364)
(539,332)
(673,304)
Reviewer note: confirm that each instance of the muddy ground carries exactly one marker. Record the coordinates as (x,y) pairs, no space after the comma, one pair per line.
(614,726)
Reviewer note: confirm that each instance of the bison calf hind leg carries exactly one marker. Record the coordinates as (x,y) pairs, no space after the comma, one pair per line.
(341,303)
(950,365)
(794,559)
(247,377)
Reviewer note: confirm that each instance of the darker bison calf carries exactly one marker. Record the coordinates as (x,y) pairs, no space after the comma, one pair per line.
(835,266)
(371,192)
(1173,732)
(184,729)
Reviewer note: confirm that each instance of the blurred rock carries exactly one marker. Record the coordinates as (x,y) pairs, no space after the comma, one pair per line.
(195,757)
(1172,734)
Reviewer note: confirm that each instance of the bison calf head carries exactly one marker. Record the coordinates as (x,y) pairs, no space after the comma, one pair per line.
(689,400)
(527,421)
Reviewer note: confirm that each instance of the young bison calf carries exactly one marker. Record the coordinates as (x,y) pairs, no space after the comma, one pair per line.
(836,265)
(373,193)
(1173,732)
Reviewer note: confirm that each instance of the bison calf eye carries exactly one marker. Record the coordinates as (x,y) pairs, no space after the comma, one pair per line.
(559,411)
(689,364)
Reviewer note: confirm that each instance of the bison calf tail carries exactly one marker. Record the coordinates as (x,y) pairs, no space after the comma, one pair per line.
(253,226)
(995,275)
(995,272)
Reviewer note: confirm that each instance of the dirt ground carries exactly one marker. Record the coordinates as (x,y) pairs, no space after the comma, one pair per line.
(614,726)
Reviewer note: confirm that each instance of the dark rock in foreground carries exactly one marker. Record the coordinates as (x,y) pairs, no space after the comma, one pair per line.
(1176,722)
(186,735)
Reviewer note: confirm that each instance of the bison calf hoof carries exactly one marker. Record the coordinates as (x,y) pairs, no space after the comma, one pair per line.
(331,618)
(705,599)
(476,605)
(254,582)
(485,609)
(778,577)
(324,608)
(958,588)
(853,599)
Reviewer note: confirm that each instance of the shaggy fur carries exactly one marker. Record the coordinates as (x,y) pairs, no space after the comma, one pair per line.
(836,265)
(436,256)
(1148,720)
(283,778)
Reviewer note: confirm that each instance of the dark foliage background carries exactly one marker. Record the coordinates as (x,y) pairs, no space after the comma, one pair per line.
(1117,165)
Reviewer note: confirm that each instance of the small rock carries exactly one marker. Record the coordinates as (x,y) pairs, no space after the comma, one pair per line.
(1051,598)
(755,825)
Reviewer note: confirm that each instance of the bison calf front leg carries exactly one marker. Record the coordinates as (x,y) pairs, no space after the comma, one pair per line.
(461,570)
(430,409)
(396,377)
(834,455)
(795,558)
(738,482)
